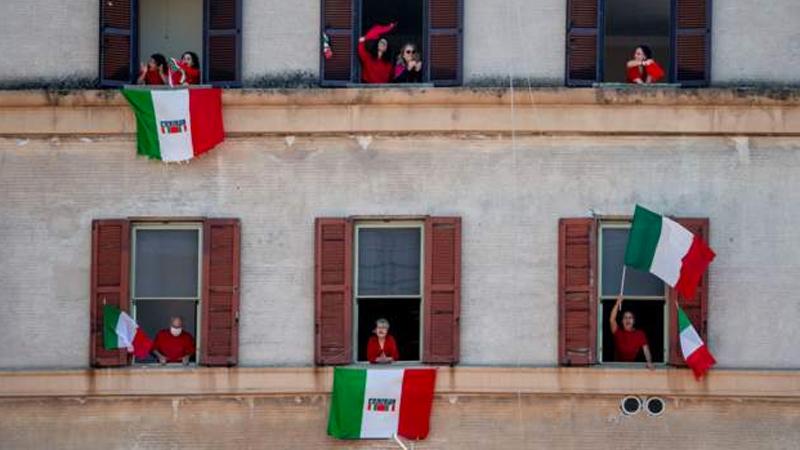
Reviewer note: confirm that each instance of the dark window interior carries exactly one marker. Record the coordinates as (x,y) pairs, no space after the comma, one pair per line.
(649,316)
(403,316)
(407,14)
(154,315)
(630,23)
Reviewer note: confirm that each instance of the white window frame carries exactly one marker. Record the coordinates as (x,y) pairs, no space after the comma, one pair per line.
(198,299)
(390,224)
(604,225)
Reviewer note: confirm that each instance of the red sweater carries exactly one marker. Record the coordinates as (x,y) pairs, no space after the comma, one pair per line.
(374,70)
(153,77)
(389,349)
(174,348)
(654,70)
(628,343)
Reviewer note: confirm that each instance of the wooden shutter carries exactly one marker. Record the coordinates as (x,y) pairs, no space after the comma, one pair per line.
(118,42)
(584,40)
(333,294)
(222,61)
(110,275)
(691,37)
(577,291)
(220,296)
(445,42)
(337,23)
(695,308)
(442,299)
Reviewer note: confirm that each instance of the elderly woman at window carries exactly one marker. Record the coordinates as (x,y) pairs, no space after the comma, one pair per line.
(381,348)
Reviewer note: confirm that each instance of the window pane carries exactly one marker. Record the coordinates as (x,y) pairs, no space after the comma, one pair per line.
(388,261)
(636,281)
(166,263)
(154,315)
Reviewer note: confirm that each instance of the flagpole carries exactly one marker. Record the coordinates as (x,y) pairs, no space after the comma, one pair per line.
(622,283)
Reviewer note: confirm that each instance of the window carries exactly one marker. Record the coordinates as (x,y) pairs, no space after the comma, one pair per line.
(132,30)
(435,25)
(166,274)
(388,284)
(155,269)
(645,295)
(407,271)
(590,254)
(602,34)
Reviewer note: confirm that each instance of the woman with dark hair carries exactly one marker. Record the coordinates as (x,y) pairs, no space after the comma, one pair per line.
(155,71)
(643,69)
(408,68)
(628,341)
(187,70)
(376,64)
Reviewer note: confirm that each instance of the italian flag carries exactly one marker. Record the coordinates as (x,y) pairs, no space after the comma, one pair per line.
(695,351)
(121,331)
(661,246)
(378,403)
(176,124)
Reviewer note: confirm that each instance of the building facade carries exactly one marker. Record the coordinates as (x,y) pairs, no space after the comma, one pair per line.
(499,206)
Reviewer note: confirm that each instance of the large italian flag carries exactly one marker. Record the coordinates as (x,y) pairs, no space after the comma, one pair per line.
(176,124)
(666,249)
(378,403)
(695,351)
(121,331)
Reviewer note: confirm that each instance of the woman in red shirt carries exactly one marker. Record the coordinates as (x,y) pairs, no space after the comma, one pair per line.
(187,70)
(381,348)
(376,65)
(628,340)
(155,72)
(643,69)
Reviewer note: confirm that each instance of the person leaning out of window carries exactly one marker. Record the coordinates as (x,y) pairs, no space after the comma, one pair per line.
(382,348)
(186,70)
(376,64)
(408,68)
(643,69)
(175,344)
(155,72)
(628,341)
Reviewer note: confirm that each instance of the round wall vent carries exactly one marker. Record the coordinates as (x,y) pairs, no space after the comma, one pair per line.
(630,405)
(655,406)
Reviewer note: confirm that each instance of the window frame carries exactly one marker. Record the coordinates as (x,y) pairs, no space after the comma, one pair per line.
(388,224)
(171,225)
(625,224)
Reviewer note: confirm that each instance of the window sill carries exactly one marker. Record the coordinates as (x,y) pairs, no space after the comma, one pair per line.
(389,85)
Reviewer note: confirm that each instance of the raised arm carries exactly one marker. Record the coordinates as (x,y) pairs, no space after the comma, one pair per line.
(612,321)
(377,31)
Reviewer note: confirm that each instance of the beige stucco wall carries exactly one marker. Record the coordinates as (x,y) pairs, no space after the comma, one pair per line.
(55,39)
(510,190)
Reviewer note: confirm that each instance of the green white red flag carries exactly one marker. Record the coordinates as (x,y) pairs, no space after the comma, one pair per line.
(121,331)
(176,124)
(663,247)
(379,403)
(695,351)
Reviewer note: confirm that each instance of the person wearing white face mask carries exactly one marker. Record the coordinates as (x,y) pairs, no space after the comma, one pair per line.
(174,344)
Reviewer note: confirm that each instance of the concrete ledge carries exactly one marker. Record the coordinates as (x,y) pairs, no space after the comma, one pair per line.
(427,110)
(154,381)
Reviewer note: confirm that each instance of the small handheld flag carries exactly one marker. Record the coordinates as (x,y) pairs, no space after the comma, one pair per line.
(121,331)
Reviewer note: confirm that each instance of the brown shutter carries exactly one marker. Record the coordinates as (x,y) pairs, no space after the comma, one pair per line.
(692,41)
(577,292)
(117,41)
(333,298)
(223,43)
(337,23)
(696,308)
(220,296)
(583,42)
(110,275)
(445,42)
(442,300)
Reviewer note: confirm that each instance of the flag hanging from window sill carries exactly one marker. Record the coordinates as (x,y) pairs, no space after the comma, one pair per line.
(177,124)
(378,403)
(695,351)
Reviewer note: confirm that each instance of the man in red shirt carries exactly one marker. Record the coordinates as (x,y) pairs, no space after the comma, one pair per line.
(174,344)
(628,340)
